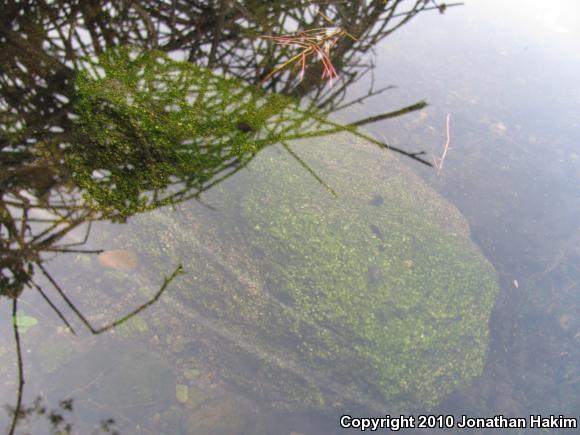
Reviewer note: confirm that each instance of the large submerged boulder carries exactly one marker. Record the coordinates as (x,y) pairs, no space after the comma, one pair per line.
(326,275)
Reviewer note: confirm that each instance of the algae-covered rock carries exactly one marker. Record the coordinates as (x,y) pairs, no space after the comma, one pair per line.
(298,278)
(326,275)
(295,282)
(406,311)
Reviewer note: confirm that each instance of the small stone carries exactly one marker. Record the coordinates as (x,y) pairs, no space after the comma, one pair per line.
(181,393)
(118,259)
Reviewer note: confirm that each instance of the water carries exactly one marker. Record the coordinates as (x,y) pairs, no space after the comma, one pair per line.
(227,359)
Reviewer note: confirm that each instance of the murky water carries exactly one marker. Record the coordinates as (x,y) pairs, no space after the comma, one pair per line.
(233,261)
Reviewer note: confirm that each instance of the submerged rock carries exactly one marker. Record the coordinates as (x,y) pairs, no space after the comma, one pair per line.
(325,316)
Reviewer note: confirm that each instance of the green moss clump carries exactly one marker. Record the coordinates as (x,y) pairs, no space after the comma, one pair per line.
(151,131)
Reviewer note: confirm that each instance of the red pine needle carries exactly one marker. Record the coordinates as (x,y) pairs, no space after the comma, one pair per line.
(319,41)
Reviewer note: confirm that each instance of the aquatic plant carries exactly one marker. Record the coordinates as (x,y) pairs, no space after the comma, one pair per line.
(144,139)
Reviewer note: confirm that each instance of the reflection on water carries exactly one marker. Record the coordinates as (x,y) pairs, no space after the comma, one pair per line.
(319,274)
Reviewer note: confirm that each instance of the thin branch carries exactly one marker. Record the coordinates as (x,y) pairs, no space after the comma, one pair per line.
(62,294)
(20,367)
(72,306)
(307,168)
(417,106)
(438,161)
(370,94)
(178,270)
(73,251)
(338,128)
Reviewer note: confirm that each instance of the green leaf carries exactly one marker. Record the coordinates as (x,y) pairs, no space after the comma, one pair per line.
(24,322)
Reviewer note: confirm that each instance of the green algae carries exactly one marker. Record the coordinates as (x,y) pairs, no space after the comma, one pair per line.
(150,130)
(328,299)
(423,328)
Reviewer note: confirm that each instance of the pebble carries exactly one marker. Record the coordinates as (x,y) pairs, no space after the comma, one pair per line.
(181,393)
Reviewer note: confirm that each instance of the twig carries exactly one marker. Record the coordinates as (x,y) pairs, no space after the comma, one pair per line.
(178,270)
(438,161)
(417,106)
(308,169)
(20,367)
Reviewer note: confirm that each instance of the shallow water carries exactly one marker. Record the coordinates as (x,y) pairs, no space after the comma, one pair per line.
(506,77)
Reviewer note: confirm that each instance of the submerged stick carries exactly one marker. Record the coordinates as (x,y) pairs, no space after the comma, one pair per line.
(439,161)
(18,407)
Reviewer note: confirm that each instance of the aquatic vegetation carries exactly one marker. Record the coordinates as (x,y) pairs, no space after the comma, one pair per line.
(332,271)
(145,139)
(24,322)
(152,131)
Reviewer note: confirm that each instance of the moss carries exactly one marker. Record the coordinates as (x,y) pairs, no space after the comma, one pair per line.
(147,124)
